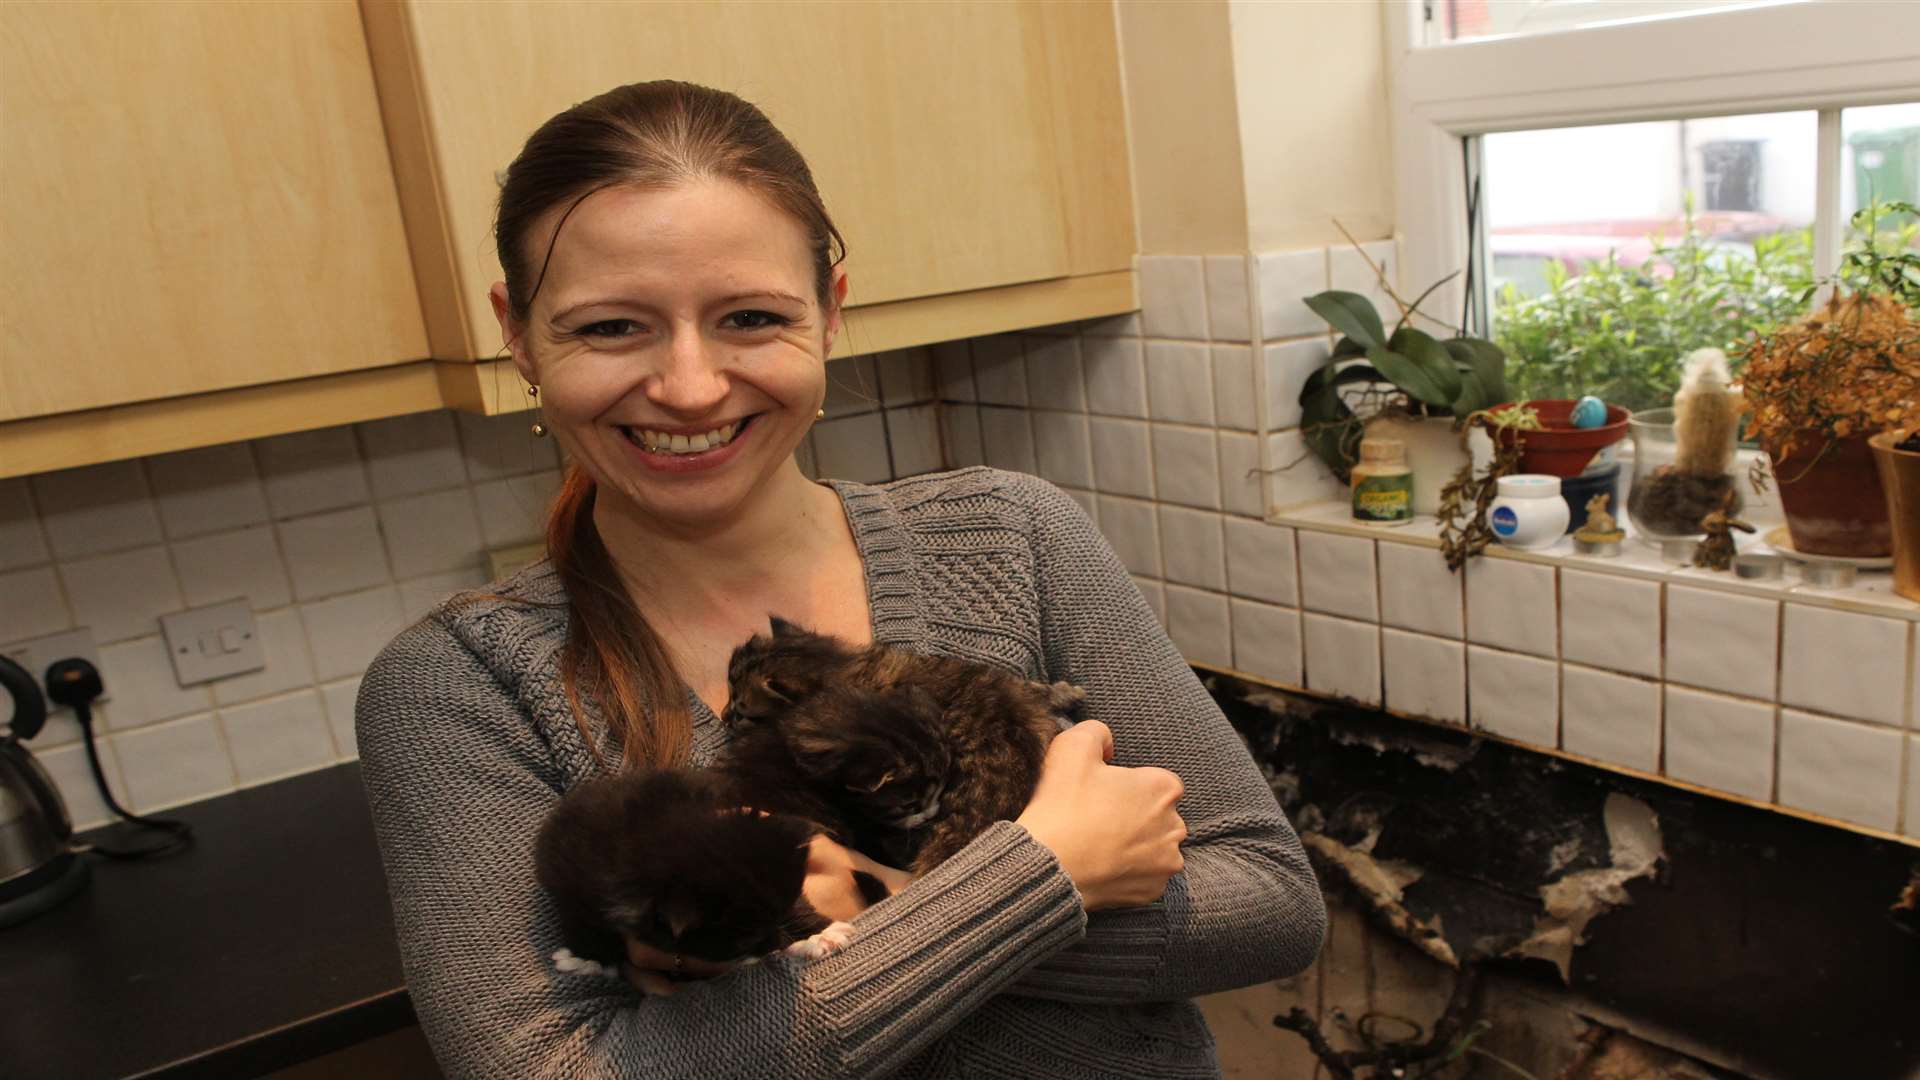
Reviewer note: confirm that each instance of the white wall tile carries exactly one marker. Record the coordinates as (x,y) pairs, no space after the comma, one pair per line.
(1720,641)
(1418,592)
(853,387)
(1343,657)
(1426,676)
(31,604)
(961,423)
(432,533)
(277,737)
(1912,823)
(1298,478)
(1234,403)
(953,371)
(207,490)
(1337,575)
(1843,663)
(1513,695)
(1348,270)
(512,510)
(999,370)
(73,776)
(1241,481)
(333,553)
(1266,641)
(1122,457)
(410,454)
(1006,436)
(20,540)
(1260,562)
(1199,625)
(505,445)
(1191,548)
(1053,374)
(139,675)
(1130,526)
(1127,325)
(1186,467)
(1155,594)
(96,508)
(121,595)
(245,562)
(1173,297)
(338,699)
(346,632)
(913,433)
(1610,621)
(1116,375)
(1720,742)
(1289,364)
(1179,382)
(852,448)
(283,645)
(1227,305)
(1511,605)
(1610,717)
(906,376)
(176,762)
(421,595)
(1061,449)
(1840,769)
(1287,278)
(310,471)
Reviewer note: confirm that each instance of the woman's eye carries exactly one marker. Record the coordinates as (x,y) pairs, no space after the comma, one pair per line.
(608,328)
(754,320)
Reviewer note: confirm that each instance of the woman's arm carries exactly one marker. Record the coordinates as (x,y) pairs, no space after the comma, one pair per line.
(459,782)
(1246,908)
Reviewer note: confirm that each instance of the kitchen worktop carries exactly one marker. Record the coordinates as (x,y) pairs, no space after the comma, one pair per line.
(270,942)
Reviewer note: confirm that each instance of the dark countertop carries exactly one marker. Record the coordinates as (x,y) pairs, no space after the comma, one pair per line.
(270,942)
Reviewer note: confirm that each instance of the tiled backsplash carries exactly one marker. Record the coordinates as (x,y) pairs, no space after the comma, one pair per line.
(337,538)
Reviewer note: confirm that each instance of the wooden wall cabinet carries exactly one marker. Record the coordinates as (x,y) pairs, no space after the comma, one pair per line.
(973,155)
(225,220)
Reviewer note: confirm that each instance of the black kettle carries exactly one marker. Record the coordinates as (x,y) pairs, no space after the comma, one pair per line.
(39,866)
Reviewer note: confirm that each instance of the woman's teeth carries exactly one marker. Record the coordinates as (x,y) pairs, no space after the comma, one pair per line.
(662,443)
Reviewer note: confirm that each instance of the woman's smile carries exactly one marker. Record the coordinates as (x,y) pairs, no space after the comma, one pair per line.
(675,450)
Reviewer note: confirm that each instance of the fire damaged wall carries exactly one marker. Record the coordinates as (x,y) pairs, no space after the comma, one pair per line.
(1757,941)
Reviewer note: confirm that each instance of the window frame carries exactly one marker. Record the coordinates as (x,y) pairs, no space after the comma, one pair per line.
(1824,55)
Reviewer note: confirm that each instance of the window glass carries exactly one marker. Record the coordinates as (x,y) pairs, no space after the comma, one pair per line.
(1880,149)
(1460,20)
(1615,250)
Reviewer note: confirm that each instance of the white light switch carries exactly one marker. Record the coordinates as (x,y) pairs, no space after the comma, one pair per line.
(212,642)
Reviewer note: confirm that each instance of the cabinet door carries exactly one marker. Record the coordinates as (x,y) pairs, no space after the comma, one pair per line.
(929,126)
(197,197)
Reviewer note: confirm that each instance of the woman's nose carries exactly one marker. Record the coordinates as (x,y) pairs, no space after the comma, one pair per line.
(693,381)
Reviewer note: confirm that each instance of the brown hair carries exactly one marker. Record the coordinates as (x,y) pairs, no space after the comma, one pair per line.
(651,134)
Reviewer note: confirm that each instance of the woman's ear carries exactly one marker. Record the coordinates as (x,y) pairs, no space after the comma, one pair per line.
(511,333)
(835,317)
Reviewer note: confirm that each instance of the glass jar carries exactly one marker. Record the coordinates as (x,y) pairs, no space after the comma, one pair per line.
(1668,498)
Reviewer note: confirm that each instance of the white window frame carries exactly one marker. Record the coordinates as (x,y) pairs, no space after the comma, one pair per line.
(1770,57)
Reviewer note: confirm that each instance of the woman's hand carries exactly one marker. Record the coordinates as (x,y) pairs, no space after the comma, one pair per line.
(830,886)
(659,973)
(1113,829)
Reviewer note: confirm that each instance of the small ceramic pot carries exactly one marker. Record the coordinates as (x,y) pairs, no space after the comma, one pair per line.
(1900,481)
(1528,513)
(1559,448)
(1832,498)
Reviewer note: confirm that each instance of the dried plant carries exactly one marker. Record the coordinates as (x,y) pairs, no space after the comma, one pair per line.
(1468,497)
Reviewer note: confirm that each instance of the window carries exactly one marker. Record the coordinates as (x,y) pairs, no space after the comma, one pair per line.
(1459,20)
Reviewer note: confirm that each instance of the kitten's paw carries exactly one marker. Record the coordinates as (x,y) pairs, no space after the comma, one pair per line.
(566,963)
(823,944)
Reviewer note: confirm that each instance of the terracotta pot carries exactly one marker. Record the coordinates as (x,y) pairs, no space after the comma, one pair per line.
(1900,482)
(1560,449)
(1831,493)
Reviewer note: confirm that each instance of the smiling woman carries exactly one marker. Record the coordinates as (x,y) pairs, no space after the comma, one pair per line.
(672,288)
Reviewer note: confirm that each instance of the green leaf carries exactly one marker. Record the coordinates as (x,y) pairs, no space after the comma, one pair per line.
(1486,360)
(1422,368)
(1351,314)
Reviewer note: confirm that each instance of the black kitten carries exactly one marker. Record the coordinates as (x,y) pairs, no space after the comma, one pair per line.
(903,756)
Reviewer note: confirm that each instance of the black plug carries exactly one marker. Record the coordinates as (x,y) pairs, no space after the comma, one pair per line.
(74,683)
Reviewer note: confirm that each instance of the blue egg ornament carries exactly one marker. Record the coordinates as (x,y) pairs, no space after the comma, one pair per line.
(1589,412)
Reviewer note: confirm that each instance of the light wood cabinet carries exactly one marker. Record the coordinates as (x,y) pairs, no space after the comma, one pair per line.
(197,198)
(973,154)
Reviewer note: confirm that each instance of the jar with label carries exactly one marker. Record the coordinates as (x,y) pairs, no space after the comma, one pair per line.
(1382,483)
(1528,513)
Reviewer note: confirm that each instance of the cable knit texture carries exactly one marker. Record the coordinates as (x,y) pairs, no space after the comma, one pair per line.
(986,967)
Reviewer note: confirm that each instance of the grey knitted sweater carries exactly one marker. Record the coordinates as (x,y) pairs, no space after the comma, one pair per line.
(986,967)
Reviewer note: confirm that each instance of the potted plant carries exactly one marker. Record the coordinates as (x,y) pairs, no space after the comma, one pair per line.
(1818,388)
(1897,453)
(1405,384)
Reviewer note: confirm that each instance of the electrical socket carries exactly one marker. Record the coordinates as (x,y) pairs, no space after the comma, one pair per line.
(38,654)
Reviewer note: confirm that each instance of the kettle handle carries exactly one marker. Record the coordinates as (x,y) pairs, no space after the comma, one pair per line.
(29,705)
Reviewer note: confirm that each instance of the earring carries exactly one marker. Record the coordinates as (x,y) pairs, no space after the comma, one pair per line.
(819,414)
(539,428)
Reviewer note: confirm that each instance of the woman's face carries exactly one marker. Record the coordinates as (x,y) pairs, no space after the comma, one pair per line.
(678,344)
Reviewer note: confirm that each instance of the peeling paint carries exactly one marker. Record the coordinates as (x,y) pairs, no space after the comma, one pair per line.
(1573,901)
(1382,884)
